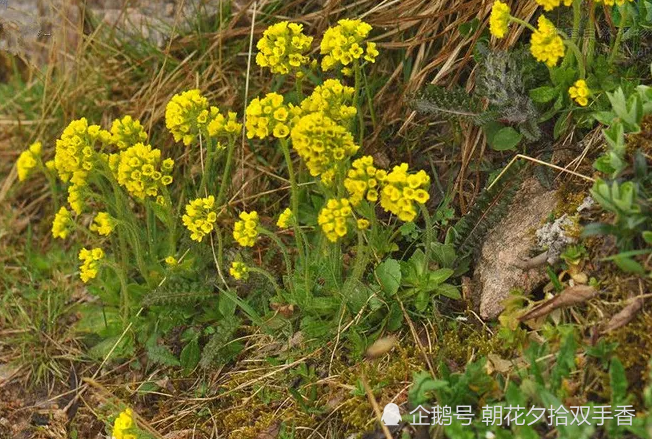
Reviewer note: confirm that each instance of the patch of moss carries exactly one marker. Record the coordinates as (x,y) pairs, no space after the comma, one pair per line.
(643,139)
(462,342)
(635,350)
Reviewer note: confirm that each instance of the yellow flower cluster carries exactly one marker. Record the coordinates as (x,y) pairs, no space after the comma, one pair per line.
(182,115)
(74,151)
(580,92)
(239,270)
(401,189)
(332,99)
(28,160)
(270,115)
(123,423)
(363,180)
(103,224)
(245,231)
(363,224)
(322,143)
(223,126)
(342,44)
(200,217)
(612,2)
(283,48)
(549,5)
(62,224)
(141,171)
(499,19)
(90,263)
(127,132)
(333,217)
(76,196)
(285,218)
(171,261)
(546,45)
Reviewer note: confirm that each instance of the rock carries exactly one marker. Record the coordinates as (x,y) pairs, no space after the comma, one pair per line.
(507,245)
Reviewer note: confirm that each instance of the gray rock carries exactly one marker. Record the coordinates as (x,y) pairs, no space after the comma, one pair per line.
(498,269)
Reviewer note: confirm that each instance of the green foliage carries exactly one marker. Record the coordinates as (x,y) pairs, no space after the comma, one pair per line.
(537,384)
(624,118)
(179,292)
(511,115)
(489,208)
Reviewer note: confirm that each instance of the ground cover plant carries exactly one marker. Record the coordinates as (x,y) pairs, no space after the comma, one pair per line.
(271,224)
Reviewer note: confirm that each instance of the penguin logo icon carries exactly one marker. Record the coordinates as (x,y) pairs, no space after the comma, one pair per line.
(391,414)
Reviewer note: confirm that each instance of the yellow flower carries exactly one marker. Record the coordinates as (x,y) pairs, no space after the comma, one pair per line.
(549,5)
(187,114)
(579,92)
(223,126)
(200,217)
(363,224)
(171,261)
(322,143)
(90,263)
(127,132)
(546,44)
(239,270)
(499,19)
(283,48)
(28,160)
(269,116)
(140,170)
(62,224)
(285,218)
(103,224)
(75,151)
(332,98)
(343,44)
(333,218)
(245,231)
(122,424)
(76,197)
(363,180)
(612,2)
(401,190)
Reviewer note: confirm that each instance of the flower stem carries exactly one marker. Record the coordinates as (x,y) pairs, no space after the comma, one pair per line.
(523,23)
(578,56)
(590,34)
(356,100)
(619,35)
(284,251)
(227,172)
(428,237)
(361,261)
(294,195)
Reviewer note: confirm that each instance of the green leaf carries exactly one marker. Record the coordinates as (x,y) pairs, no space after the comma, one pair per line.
(450,291)
(440,276)
(618,382)
(544,94)
(506,139)
(161,355)
(561,126)
(226,305)
(628,265)
(443,254)
(424,384)
(389,275)
(422,300)
(647,236)
(190,355)
(394,317)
